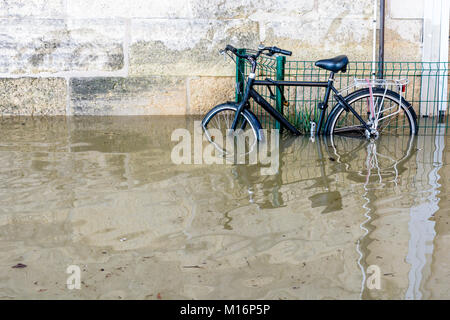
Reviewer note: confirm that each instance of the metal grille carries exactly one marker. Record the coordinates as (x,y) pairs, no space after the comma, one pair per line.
(427,90)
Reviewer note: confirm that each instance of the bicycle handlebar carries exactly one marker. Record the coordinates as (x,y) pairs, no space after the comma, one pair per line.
(252,58)
(271,51)
(229,47)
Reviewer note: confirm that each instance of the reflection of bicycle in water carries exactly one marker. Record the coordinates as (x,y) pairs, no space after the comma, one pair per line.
(380,170)
(320,165)
(359,169)
(382,159)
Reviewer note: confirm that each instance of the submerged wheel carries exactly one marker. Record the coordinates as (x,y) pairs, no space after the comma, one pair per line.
(383,159)
(217,127)
(394,115)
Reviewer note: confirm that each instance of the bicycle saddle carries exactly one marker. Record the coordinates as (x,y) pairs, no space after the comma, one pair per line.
(335,64)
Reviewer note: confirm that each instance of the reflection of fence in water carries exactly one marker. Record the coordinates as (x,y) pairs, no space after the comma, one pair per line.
(319,164)
(313,170)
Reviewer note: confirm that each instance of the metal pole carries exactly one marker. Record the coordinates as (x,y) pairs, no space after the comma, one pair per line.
(240,68)
(374,44)
(381,42)
(281,61)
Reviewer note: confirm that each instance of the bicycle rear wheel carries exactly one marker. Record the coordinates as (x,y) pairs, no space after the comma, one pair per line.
(394,115)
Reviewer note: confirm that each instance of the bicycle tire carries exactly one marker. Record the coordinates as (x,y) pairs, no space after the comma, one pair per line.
(354,98)
(215,113)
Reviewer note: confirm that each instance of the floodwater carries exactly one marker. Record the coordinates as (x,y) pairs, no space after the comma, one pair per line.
(340,219)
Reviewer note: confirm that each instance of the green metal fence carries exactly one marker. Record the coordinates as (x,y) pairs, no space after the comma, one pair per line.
(427,91)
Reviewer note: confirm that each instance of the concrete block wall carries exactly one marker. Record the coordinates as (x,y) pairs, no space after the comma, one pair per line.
(135,57)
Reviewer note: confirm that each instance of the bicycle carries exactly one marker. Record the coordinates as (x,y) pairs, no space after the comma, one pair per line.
(382,104)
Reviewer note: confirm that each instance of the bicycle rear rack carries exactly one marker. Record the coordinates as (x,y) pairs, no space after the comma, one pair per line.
(397,85)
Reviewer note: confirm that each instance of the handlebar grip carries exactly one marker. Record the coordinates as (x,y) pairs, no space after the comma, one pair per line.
(286,52)
(278,50)
(231,48)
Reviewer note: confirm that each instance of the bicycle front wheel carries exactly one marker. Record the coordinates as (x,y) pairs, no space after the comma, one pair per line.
(217,127)
(393,115)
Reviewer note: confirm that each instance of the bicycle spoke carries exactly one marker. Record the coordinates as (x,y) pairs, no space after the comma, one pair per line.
(390,116)
(356,128)
(222,121)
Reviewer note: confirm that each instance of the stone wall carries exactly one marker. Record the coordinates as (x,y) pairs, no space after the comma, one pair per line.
(111,57)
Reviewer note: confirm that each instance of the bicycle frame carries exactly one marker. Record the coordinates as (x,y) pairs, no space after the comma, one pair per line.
(250,92)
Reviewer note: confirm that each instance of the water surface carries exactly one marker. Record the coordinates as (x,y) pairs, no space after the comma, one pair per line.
(102,193)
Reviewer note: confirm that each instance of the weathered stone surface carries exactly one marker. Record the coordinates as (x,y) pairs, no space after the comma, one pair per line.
(206,92)
(186,47)
(35,8)
(31,46)
(33,96)
(345,9)
(401,9)
(311,39)
(262,9)
(128,8)
(128,96)
(331,28)
(403,40)
(179,40)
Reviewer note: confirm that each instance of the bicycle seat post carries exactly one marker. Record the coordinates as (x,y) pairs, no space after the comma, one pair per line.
(324,105)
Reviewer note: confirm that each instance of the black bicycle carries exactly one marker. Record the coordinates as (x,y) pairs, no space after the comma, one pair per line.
(387,111)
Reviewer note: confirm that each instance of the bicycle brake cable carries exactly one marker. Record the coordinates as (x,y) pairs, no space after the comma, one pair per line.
(235,62)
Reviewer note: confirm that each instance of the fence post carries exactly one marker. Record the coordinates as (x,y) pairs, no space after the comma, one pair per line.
(381,37)
(281,62)
(240,65)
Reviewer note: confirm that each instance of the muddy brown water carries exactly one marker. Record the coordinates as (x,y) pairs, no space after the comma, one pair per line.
(103,194)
